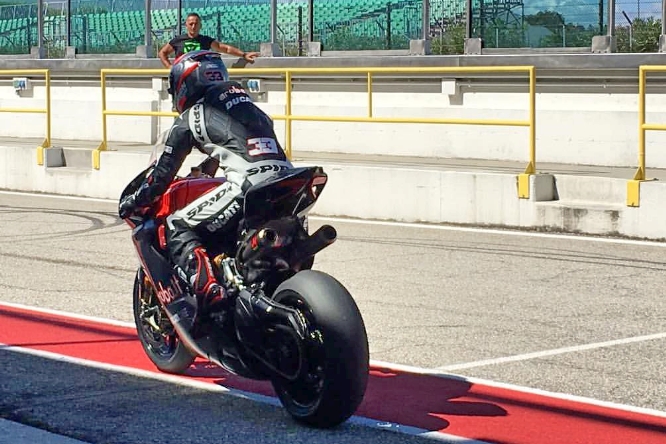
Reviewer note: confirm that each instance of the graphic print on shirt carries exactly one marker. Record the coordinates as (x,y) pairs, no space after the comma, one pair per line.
(191,45)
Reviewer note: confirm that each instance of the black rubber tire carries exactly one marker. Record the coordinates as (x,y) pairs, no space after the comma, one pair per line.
(177,358)
(345,347)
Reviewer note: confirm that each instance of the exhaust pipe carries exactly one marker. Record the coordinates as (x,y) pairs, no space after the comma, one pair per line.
(316,242)
(264,240)
(267,239)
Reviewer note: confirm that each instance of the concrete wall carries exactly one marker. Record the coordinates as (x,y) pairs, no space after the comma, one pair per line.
(580,127)
(398,193)
(76,113)
(586,114)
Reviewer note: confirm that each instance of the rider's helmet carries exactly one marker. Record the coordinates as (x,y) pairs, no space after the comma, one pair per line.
(192,74)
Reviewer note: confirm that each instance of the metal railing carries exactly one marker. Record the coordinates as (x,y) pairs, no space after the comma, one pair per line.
(369,73)
(104,73)
(47,110)
(634,185)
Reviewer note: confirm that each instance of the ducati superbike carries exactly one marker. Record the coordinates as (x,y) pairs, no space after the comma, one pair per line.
(285,323)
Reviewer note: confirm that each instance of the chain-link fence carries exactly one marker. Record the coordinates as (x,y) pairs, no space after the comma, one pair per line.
(118,26)
(539,23)
(637,25)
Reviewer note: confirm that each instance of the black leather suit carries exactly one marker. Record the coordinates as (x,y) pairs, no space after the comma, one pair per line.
(228,127)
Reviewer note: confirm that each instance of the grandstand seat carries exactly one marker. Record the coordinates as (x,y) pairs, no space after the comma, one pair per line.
(248,22)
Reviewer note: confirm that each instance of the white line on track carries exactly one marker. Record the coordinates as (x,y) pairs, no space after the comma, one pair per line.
(502,232)
(380,364)
(184,381)
(553,352)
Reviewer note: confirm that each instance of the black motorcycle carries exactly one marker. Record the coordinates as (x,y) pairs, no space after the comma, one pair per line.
(298,328)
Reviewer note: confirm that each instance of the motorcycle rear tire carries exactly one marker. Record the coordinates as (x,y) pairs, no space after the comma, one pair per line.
(329,308)
(176,358)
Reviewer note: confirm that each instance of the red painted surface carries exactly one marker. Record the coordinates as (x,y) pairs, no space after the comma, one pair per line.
(432,403)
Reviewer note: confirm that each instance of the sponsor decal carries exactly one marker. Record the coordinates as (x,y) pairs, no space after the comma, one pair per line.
(168,294)
(210,201)
(233,90)
(266,168)
(198,128)
(262,145)
(236,100)
(226,215)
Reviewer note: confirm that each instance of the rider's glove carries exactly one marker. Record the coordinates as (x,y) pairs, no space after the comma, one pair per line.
(127,206)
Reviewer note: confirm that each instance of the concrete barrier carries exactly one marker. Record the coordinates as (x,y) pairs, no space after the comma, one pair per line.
(558,202)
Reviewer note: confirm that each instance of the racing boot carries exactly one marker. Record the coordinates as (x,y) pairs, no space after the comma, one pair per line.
(211,296)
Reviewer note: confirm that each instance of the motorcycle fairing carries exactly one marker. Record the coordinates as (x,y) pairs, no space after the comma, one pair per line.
(286,193)
(174,296)
(163,276)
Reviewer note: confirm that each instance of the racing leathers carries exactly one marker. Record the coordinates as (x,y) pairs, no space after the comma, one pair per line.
(228,127)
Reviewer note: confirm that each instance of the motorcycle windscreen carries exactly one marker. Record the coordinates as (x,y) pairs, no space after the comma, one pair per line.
(287,193)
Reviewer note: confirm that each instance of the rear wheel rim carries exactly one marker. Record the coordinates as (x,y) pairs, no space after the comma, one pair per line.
(305,393)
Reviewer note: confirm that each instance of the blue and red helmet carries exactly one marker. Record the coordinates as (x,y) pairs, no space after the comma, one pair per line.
(192,74)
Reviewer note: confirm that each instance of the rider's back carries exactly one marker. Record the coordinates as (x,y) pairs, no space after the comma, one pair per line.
(227,117)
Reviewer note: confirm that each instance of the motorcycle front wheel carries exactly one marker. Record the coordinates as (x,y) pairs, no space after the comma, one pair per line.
(156,334)
(335,361)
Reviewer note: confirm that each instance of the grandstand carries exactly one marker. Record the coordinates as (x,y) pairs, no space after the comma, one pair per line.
(117,26)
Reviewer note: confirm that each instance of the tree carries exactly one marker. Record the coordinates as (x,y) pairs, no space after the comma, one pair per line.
(502,35)
(546,18)
(641,36)
(450,41)
(344,39)
(571,36)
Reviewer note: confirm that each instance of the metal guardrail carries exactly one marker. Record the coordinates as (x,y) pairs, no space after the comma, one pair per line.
(104,73)
(47,110)
(634,185)
(370,73)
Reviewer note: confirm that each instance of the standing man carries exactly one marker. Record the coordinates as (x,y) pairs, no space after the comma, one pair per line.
(193,41)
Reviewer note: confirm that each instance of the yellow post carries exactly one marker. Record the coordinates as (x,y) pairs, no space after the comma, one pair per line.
(531,169)
(102,146)
(369,94)
(524,179)
(640,173)
(634,186)
(40,155)
(47,141)
(48,108)
(287,112)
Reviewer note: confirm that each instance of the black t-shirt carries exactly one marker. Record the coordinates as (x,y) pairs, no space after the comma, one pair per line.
(184,43)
